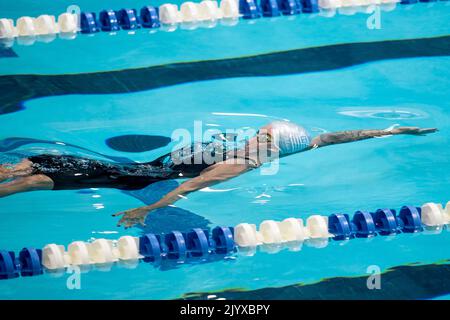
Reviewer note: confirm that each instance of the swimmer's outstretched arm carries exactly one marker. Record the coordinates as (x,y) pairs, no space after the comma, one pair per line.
(331,138)
(217,173)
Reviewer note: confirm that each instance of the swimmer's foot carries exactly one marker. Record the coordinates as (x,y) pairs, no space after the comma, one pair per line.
(24,165)
(10,171)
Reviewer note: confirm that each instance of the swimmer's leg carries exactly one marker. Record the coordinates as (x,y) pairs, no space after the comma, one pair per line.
(5,172)
(22,169)
(331,138)
(24,184)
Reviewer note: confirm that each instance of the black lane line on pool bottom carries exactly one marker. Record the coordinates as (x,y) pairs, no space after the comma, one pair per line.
(137,142)
(15,89)
(399,283)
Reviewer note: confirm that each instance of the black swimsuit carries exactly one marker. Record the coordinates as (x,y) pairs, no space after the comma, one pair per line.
(71,172)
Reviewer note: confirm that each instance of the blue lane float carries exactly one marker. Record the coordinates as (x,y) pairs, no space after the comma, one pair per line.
(108,20)
(88,23)
(411,218)
(150,17)
(9,268)
(386,221)
(222,240)
(30,260)
(270,8)
(382,221)
(363,225)
(128,19)
(199,245)
(28,263)
(290,7)
(310,6)
(249,9)
(340,226)
(150,247)
(174,245)
(179,246)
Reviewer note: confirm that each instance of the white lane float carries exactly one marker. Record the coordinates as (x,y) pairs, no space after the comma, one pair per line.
(317,227)
(230,9)
(272,236)
(7,29)
(288,230)
(189,12)
(169,15)
(347,10)
(101,251)
(434,215)
(351,7)
(209,11)
(330,4)
(68,23)
(43,28)
(246,235)
(78,253)
(447,212)
(128,248)
(327,13)
(54,257)
(388,5)
(270,232)
(45,24)
(292,229)
(25,27)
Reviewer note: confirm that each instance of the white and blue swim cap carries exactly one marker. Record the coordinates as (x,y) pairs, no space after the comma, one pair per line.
(289,137)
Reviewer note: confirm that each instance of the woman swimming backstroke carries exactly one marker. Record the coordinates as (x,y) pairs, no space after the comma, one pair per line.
(277,139)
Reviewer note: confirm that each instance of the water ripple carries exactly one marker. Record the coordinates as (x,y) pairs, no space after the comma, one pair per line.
(385,113)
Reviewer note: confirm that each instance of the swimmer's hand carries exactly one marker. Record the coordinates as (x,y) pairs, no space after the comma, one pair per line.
(133,217)
(413,130)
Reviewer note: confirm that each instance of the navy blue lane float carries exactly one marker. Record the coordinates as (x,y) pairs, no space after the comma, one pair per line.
(182,247)
(108,20)
(125,18)
(383,221)
(219,242)
(250,9)
(28,263)
(88,23)
(148,17)
(128,19)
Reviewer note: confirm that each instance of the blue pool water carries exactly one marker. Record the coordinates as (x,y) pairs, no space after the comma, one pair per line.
(388,172)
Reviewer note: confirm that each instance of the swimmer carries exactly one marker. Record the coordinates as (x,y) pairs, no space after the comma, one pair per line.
(277,139)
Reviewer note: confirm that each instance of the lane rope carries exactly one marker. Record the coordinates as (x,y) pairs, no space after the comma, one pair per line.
(199,244)
(168,16)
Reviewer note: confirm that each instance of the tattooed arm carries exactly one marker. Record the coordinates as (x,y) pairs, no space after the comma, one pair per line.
(217,173)
(331,138)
